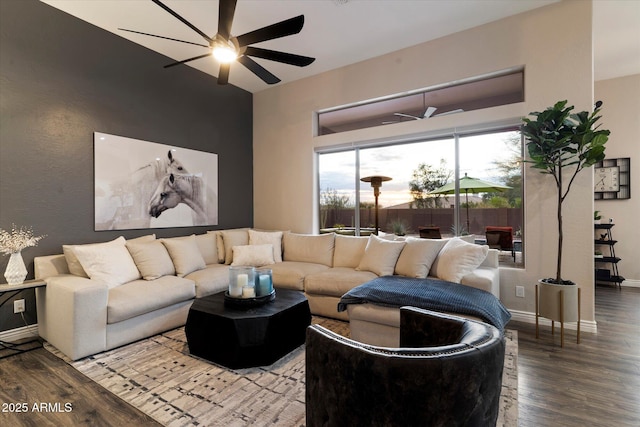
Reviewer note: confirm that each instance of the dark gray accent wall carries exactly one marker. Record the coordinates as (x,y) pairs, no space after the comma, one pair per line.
(61,79)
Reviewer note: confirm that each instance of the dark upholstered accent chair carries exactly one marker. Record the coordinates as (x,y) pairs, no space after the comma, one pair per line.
(429,232)
(500,238)
(448,372)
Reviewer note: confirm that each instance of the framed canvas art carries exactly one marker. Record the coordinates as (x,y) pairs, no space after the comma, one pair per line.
(141,184)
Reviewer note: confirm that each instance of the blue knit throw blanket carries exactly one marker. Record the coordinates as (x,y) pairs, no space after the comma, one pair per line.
(431,294)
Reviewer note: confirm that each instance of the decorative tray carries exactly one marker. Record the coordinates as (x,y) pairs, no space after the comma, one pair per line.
(248,302)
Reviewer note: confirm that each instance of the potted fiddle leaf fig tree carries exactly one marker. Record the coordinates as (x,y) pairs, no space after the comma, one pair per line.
(561,144)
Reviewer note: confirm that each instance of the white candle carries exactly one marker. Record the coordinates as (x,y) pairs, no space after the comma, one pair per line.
(248,292)
(243,280)
(235,291)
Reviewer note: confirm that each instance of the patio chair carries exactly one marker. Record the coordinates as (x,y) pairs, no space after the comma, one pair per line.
(500,238)
(429,232)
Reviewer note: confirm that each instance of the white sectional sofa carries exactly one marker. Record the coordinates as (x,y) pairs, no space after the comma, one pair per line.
(105,295)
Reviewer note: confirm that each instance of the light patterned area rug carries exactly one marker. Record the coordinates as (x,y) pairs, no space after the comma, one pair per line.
(159,377)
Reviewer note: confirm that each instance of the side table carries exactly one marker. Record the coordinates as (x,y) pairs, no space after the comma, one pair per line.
(7,293)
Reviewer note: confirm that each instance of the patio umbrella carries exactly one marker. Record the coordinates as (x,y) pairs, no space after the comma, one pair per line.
(470,185)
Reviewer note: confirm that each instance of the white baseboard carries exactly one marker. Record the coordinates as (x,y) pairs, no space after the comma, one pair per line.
(589,326)
(629,283)
(13,335)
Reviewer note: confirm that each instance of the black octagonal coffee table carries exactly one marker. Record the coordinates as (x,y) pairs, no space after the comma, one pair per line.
(242,338)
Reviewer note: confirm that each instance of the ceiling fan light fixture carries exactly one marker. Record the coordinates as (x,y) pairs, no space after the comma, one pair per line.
(224,52)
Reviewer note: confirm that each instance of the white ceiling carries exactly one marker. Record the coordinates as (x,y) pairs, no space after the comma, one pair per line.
(343,32)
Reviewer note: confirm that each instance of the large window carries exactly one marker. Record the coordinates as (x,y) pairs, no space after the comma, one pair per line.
(422,194)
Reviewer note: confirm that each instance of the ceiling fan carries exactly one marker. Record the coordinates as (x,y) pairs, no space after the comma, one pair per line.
(227,48)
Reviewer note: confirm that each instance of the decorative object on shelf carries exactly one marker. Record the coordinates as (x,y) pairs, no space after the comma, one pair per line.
(12,243)
(376,183)
(559,140)
(612,179)
(597,217)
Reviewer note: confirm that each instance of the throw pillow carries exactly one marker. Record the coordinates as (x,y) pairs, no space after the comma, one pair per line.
(253,255)
(185,254)
(142,239)
(317,249)
(73,263)
(231,238)
(273,238)
(417,256)
(380,256)
(457,259)
(151,258)
(208,247)
(349,250)
(108,262)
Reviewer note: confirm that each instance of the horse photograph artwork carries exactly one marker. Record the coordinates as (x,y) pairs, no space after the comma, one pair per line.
(141,184)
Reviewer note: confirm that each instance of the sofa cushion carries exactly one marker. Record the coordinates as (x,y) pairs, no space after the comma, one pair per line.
(184,253)
(231,238)
(210,280)
(380,256)
(349,250)
(109,262)
(316,249)
(253,255)
(336,281)
(208,247)
(273,238)
(417,256)
(291,274)
(152,259)
(144,296)
(457,259)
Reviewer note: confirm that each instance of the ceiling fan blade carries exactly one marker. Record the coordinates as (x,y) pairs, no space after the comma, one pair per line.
(184,21)
(274,31)
(162,37)
(226,10)
(223,74)
(428,112)
(274,55)
(258,70)
(173,64)
(406,115)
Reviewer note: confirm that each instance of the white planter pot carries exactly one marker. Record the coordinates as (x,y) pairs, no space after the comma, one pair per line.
(16,270)
(559,303)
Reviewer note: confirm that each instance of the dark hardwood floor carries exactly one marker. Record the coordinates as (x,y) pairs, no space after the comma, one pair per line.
(594,383)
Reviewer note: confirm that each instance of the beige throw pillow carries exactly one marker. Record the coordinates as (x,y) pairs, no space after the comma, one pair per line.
(457,259)
(273,238)
(417,256)
(108,262)
(317,249)
(253,255)
(152,259)
(231,238)
(349,250)
(380,256)
(208,247)
(185,254)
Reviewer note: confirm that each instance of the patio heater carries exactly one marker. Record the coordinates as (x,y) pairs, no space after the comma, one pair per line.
(376,183)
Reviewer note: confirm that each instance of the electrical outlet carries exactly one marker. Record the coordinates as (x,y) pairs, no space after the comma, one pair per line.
(520,291)
(18,306)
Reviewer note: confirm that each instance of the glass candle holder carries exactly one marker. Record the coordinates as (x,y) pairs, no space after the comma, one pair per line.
(242,282)
(264,281)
